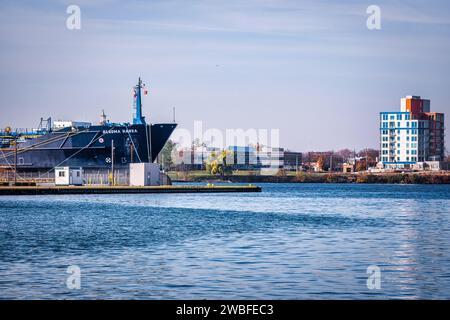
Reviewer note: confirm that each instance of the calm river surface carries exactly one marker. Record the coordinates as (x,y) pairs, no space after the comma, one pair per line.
(292,241)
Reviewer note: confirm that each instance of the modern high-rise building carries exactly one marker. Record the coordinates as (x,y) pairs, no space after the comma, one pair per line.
(415,134)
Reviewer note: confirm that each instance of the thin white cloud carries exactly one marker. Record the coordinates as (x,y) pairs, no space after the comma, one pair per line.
(303,47)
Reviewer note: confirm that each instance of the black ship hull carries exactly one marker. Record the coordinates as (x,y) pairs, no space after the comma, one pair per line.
(90,147)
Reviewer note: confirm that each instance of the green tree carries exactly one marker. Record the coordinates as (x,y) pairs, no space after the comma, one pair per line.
(217,163)
(166,155)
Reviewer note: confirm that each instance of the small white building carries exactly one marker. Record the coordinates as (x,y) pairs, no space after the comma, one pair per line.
(429,166)
(68,176)
(144,174)
(59,124)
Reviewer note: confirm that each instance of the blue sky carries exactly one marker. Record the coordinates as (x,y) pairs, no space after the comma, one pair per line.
(309,68)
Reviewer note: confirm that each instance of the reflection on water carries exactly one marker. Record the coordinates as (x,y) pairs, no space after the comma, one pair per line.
(290,241)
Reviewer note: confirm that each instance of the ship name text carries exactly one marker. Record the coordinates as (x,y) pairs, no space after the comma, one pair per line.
(115,131)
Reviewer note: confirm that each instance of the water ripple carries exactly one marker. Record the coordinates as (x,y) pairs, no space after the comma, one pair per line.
(290,241)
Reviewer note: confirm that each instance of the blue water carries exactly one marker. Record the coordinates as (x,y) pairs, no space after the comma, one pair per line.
(292,241)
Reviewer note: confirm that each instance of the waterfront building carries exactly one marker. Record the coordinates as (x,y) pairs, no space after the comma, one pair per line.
(243,157)
(238,157)
(292,161)
(413,135)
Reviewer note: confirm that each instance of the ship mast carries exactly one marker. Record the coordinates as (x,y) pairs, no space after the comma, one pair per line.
(138,118)
(103,120)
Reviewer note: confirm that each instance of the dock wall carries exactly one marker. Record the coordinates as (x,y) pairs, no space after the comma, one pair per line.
(14,191)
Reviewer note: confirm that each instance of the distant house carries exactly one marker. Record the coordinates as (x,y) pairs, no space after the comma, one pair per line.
(292,160)
(348,167)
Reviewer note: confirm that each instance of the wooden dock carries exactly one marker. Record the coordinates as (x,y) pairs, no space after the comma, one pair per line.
(40,190)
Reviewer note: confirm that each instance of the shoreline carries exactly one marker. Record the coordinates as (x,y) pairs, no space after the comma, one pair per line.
(306,177)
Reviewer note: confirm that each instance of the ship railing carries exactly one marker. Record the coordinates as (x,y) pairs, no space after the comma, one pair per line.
(23,132)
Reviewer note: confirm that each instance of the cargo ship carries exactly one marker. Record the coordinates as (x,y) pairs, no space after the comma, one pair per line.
(81,144)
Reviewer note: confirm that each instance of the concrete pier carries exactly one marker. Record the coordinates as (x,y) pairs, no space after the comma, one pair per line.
(17,190)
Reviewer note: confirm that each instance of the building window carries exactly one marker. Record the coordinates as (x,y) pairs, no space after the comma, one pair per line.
(399,117)
(62,174)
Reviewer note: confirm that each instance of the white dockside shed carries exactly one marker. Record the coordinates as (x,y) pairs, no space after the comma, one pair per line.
(144,174)
(68,176)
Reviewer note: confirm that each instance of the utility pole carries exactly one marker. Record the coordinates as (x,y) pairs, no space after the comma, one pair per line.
(331,160)
(367,161)
(296,164)
(112,162)
(15,160)
(309,161)
(131,152)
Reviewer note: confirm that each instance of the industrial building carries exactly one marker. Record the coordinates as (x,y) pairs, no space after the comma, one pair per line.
(239,157)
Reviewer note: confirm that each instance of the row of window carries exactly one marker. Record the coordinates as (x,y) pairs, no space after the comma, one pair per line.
(62,174)
(408,138)
(414,152)
(386,159)
(392,145)
(407,116)
(392,124)
(413,131)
